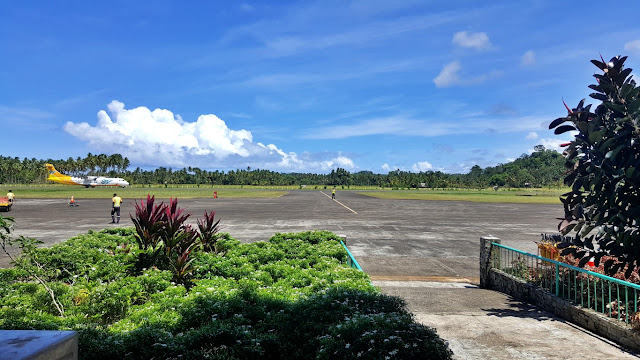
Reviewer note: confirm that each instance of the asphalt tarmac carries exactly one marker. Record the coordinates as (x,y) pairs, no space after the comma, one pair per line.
(388,237)
(424,251)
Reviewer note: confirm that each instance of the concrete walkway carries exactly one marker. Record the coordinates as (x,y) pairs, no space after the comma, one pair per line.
(485,324)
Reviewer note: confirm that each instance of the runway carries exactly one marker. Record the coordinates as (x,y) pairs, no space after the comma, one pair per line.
(388,237)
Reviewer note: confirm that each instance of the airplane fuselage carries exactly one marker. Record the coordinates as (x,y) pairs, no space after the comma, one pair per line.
(89,181)
(93,181)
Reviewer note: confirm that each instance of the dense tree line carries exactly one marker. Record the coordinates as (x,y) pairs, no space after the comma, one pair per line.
(541,168)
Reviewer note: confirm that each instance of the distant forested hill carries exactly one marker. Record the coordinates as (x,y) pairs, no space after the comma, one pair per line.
(541,168)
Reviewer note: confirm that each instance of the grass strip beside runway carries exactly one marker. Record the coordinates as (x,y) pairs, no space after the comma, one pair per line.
(79,192)
(528,196)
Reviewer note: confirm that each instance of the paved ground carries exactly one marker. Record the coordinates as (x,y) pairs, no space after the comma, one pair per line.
(424,251)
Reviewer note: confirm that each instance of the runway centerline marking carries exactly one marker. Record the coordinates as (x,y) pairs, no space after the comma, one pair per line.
(345,206)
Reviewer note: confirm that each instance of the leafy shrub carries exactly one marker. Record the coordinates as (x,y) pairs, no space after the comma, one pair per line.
(292,297)
(603,205)
(166,241)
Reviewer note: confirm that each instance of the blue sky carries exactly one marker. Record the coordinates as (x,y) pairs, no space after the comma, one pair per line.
(299,86)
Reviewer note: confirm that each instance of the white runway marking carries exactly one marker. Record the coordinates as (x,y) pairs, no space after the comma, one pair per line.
(345,206)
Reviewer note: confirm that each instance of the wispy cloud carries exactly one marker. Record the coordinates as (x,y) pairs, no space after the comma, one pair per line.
(478,41)
(247,7)
(450,76)
(16,113)
(528,58)
(370,34)
(532,136)
(240,115)
(284,81)
(274,39)
(73,101)
(24,117)
(408,126)
(633,46)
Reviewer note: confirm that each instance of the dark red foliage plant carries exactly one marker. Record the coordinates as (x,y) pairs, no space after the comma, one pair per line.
(148,222)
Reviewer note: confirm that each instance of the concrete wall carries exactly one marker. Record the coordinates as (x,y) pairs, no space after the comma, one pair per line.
(38,345)
(495,279)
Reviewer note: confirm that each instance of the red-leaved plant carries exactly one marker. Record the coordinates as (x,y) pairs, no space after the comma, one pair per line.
(208,231)
(165,239)
(148,222)
(173,232)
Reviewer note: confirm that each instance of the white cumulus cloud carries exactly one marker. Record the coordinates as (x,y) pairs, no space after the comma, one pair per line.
(161,138)
(528,58)
(387,167)
(553,143)
(478,41)
(421,166)
(532,136)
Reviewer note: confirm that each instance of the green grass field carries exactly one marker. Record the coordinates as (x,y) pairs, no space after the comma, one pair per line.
(527,196)
(175,191)
(523,196)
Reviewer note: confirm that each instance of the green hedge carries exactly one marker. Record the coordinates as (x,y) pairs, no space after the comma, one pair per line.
(291,297)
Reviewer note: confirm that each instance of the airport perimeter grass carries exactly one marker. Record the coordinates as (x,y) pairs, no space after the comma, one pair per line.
(522,196)
(134,192)
(56,191)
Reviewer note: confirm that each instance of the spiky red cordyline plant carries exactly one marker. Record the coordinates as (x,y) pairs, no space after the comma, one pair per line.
(173,233)
(148,222)
(208,229)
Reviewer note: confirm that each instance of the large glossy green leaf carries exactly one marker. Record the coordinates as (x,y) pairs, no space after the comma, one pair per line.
(599,64)
(612,155)
(595,136)
(563,129)
(629,172)
(634,106)
(557,122)
(599,96)
(615,107)
(625,90)
(623,75)
(604,147)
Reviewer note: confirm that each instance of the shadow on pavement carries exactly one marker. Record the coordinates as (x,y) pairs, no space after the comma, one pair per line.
(517,309)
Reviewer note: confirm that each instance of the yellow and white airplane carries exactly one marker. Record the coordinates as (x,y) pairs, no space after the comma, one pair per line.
(88,181)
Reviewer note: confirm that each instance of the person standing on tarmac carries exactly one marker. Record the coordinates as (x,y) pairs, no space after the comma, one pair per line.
(10,195)
(333,193)
(115,208)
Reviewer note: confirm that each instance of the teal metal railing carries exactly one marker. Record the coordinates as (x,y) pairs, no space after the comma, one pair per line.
(351,260)
(604,294)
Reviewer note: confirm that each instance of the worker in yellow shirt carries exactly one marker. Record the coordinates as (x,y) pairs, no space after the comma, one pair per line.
(115,208)
(10,195)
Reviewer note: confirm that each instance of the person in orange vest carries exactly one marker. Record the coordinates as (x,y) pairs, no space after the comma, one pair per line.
(115,208)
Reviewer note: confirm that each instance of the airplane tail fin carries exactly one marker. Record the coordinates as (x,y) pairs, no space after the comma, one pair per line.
(52,171)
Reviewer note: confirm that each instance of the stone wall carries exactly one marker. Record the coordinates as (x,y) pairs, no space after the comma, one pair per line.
(611,329)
